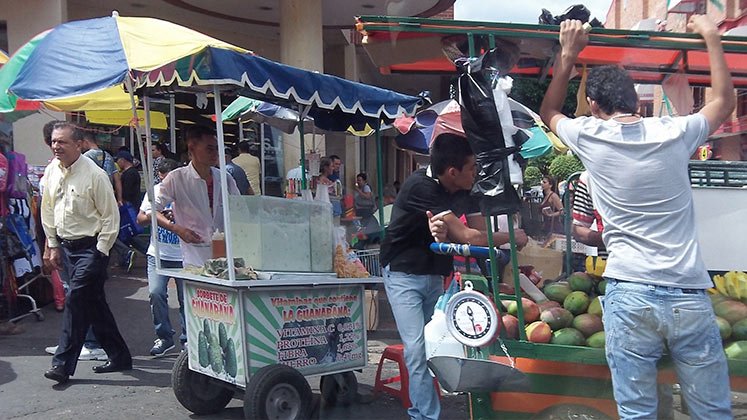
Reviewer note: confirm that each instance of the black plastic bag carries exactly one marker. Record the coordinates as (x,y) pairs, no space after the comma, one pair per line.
(577,12)
(482,127)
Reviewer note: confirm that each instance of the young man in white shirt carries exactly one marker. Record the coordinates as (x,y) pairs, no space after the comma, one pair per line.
(656,279)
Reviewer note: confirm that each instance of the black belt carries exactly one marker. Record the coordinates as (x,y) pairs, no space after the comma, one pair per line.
(78,244)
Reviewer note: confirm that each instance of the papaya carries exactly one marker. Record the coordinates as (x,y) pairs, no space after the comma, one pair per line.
(202,350)
(511,326)
(531,310)
(580,281)
(738,330)
(736,350)
(595,307)
(597,340)
(576,302)
(568,337)
(724,329)
(557,291)
(731,310)
(588,324)
(230,363)
(556,318)
(539,332)
(602,287)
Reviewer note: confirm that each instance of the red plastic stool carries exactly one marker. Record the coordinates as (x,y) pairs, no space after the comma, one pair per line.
(396,353)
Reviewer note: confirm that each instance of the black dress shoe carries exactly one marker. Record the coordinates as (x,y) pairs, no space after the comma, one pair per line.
(57,373)
(111,366)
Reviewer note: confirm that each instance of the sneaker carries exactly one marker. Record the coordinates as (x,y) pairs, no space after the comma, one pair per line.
(161,346)
(130,260)
(93,354)
(51,350)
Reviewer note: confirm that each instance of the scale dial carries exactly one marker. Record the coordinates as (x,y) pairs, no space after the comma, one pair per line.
(472,318)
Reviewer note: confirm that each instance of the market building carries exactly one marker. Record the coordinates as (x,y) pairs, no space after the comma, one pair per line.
(311,34)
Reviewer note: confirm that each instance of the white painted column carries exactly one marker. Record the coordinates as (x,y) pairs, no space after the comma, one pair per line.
(25,19)
(301,45)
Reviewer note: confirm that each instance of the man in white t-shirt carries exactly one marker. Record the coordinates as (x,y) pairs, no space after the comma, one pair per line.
(655,300)
(170,255)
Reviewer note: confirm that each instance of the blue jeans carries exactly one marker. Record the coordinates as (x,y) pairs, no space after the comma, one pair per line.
(641,322)
(159,299)
(412,298)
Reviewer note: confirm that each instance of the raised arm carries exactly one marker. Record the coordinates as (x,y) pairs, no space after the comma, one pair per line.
(722,102)
(573,39)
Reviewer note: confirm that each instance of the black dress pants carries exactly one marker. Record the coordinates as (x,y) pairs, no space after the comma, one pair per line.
(86,306)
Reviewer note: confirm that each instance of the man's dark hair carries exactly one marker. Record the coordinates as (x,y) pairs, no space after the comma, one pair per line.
(163,148)
(196,132)
(362,176)
(89,136)
(335,157)
(167,165)
(230,152)
(77,133)
(244,147)
(47,131)
(612,88)
(447,151)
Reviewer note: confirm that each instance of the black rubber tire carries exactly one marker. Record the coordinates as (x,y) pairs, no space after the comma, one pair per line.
(198,393)
(277,392)
(334,393)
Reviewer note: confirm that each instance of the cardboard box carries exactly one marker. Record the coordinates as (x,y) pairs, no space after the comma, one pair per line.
(547,262)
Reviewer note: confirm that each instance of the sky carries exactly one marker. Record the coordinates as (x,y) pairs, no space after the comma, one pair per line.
(522,11)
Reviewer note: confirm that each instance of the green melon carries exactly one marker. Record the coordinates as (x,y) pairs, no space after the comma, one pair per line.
(576,302)
(557,291)
(597,340)
(724,328)
(568,337)
(739,330)
(736,350)
(582,282)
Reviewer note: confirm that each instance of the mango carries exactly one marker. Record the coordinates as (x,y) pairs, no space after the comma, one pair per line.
(588,324)
(557,291)
(539,332)
(576,302)
(531,310)
(602,287)
(580,281)
(731,310)
(568,337)
(739,330)
(511,326)
(556,318)
(547,305)
(595,307)
(717,298)
(724,328)
(597,340)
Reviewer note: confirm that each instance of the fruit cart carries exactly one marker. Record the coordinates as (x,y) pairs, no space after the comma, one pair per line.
(567,372)
(260,331)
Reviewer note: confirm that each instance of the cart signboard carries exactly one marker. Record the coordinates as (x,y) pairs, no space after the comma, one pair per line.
(214,334)
(319,330)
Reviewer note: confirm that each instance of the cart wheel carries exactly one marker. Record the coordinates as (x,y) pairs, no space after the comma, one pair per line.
(277,392)
(340,388)
(39,316)
(198,393)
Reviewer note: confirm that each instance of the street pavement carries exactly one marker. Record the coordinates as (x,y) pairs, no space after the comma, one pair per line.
(146,390)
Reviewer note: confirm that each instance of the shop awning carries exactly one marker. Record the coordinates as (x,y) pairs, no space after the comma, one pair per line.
(123,118)
(414,45)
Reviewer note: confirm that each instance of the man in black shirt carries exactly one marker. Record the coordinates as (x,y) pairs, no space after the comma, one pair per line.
(130,179)
(413,275)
